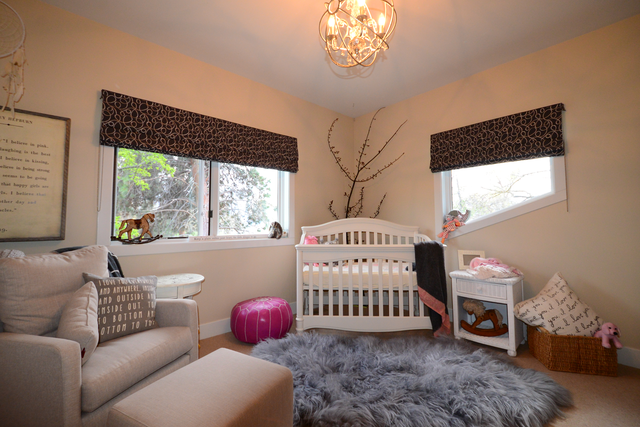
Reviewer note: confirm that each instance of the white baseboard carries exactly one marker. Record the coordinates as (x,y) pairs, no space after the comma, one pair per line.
(629,356)
(219,327)
(626,356)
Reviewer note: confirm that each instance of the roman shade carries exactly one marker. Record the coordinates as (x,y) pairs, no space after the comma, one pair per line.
(527,135)
(137,124)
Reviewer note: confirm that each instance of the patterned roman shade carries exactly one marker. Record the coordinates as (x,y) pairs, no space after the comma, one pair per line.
(527,135)
(134,123)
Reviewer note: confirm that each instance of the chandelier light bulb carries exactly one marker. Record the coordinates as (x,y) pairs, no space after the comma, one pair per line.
(381,22)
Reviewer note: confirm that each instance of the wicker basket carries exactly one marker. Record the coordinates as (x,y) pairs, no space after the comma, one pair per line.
(569,353)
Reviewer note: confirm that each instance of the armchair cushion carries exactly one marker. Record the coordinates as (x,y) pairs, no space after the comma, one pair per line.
(35,288)
(79,321)
(120,363)
(126,305)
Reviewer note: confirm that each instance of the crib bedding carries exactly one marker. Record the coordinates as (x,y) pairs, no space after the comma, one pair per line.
(331,275)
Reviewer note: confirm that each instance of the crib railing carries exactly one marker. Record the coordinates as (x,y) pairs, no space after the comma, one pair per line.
(363,280)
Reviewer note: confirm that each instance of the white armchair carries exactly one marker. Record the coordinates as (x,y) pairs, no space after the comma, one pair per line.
(42,378)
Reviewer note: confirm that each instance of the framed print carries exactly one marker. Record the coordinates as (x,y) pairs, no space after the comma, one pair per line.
(465,257)
(34,161)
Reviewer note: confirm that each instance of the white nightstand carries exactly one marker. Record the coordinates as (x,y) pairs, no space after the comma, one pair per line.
(499,294)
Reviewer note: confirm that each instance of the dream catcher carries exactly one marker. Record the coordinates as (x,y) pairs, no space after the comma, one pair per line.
(12,34)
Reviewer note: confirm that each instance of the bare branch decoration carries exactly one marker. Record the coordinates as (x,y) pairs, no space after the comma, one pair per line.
(362,172)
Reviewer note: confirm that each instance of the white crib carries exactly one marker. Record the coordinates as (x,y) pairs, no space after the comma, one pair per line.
(363,281)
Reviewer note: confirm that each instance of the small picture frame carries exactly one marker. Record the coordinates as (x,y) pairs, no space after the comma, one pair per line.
(465,257)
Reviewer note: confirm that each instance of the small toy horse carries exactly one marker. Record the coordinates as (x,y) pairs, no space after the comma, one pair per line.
(477,308)
(141,224)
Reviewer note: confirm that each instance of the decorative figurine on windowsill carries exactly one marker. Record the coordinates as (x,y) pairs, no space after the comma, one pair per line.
(454,220)
(477,308)
(142,224)
(275,230)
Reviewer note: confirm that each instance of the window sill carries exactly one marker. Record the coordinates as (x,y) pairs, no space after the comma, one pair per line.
(165,246)
(559,194)
(489,220)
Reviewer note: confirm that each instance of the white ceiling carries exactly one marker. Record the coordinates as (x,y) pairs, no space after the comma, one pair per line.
(276,42)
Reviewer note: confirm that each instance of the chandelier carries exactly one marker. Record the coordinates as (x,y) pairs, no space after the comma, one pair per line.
(352,35)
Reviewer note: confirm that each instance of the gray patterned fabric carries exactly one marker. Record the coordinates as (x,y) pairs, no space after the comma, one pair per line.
(527,135)
(126,305)
(138,124)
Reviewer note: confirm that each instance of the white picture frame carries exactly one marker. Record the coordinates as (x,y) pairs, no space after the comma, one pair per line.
(465,257)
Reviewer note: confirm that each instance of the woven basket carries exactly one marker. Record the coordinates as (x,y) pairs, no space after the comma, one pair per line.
(569,353)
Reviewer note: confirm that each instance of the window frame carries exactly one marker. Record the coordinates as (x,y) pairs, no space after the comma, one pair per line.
(163,246)
(443,200)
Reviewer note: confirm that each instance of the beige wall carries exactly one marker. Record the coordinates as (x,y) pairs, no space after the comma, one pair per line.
(594,239)
(70,59)
(594,243)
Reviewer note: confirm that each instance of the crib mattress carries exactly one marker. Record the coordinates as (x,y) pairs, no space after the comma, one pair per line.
(376,274)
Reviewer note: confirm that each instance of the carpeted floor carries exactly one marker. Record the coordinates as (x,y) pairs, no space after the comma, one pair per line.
(599,401)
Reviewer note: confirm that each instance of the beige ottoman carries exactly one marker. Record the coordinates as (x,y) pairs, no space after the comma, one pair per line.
(225,388)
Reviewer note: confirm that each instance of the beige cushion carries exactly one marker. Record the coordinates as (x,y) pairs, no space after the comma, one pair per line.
(558,309)
(126,305)
(223,389)
(120,363)
(79,321)
(35,288)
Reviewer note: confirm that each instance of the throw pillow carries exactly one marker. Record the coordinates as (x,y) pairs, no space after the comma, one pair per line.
(558,309)
(126,305)
(79,320)
(35,288)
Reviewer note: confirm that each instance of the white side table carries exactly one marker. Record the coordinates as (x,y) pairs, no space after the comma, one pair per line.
(499,294)
(179,286)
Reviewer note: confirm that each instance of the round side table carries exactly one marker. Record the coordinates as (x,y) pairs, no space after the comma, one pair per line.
(179,286)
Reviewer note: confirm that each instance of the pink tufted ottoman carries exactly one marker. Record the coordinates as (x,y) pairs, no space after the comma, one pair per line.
(260,318)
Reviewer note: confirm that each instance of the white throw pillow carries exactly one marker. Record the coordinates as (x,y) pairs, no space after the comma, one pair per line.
(35,288)
(558,309)
(79,321)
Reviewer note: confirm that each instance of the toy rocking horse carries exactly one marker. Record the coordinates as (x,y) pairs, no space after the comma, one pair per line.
(477,308)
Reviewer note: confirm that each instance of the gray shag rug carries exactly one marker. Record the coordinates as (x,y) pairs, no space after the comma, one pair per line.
(366,381)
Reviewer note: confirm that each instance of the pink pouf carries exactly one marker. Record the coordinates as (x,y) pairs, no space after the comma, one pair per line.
(260,318)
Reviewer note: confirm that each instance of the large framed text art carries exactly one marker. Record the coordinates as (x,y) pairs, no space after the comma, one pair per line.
(34,157)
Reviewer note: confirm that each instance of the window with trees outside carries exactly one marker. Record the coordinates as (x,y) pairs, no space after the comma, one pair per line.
(497,192)
(194,198)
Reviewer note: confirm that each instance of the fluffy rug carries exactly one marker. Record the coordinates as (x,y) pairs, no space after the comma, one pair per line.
(365,381)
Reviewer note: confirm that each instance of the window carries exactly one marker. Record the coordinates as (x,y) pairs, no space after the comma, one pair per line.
(203,205)
(497,192)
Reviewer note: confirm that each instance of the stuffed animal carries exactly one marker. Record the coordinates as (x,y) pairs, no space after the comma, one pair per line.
(452,221)
(275,230)
(310,240)
(609,331)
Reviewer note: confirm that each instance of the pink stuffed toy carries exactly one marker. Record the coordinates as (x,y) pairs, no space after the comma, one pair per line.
(607,332)
(311,240)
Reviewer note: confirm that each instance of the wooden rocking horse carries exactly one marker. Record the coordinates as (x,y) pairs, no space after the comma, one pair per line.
(477,308)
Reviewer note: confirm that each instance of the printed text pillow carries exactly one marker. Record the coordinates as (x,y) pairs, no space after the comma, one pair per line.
(558,309)
(126,305)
